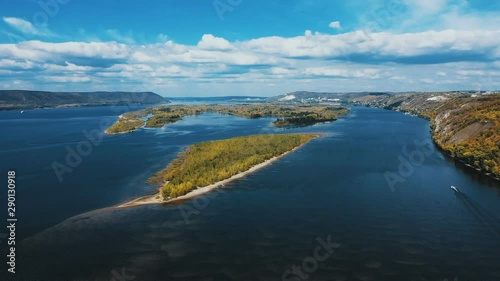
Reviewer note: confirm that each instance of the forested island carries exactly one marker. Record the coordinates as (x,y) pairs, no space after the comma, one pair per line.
(22,100)
(207,165)
(288,115)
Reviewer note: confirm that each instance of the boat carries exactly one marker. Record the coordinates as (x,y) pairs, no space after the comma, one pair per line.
(454,188)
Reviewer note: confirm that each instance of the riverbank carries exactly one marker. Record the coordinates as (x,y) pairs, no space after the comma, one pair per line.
(158,199)
(464,126)
(125,125)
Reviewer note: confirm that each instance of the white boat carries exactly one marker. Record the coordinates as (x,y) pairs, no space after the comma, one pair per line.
(454,188)
(22,111)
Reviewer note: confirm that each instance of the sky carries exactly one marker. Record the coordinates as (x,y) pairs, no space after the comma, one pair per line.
(249,47)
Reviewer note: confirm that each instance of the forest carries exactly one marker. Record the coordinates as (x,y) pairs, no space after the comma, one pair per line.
(471,131)
(125,125)
(466,126)
(288,115)
(207,163)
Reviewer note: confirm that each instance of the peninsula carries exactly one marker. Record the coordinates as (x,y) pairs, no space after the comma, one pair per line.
(208,165)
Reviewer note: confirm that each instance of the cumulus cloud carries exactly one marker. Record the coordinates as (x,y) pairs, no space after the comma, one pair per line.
(369,73)
(313,58)
(335,25)
(210,42)
(404,15)
(27,27)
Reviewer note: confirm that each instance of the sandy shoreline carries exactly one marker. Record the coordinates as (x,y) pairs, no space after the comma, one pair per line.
(156,198)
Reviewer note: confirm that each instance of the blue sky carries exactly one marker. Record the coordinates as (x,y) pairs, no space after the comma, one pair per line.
(243,47)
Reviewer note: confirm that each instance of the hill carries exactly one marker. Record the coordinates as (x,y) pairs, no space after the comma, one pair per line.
(18,99)
(302,97)
(466,126)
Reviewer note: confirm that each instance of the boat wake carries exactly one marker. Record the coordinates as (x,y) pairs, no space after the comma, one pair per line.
(488,220)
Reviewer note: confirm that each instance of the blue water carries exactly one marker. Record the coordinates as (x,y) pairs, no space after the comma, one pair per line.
(258,227)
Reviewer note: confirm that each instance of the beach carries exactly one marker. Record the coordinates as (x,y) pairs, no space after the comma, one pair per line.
(157,198)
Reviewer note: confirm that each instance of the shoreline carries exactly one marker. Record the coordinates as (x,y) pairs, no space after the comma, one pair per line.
(443,151)
(157,198)
(120,118)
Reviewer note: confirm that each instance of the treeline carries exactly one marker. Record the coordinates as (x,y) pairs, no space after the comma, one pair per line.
(125,125)
(287,115)
(478,121)
(19,99)
(466,127)
(207,163)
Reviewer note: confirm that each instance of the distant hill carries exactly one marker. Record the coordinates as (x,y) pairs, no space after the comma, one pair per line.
(315,97)
(238,99)
(18,99)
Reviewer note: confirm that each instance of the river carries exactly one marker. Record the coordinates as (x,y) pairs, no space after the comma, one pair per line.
(373,196)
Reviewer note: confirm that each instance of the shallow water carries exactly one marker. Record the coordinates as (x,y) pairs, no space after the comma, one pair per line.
(258,227)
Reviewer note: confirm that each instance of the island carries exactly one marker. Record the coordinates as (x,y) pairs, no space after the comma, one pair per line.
(22,100)
(288,115)
(205,166)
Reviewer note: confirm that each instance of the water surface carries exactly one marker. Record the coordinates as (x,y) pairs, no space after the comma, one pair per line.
(260,226)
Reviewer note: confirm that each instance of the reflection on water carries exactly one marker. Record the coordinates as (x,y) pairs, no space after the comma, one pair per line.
(260,226)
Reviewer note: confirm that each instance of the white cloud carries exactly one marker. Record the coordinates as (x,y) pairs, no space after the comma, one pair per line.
(27,27)
(68,79)
(210,42)
(335,25)
(351,61)
(427,81)
(13,64)
(369,73)
(418,15)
